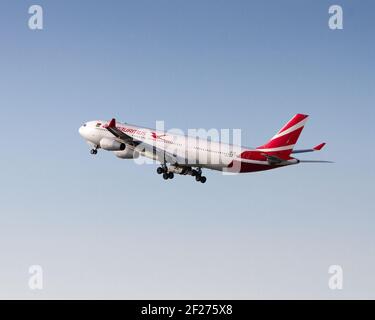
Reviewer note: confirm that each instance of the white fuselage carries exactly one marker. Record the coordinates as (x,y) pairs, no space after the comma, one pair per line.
(188,154)
(197,151)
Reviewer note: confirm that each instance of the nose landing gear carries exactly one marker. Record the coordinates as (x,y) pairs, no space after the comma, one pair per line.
(94,151)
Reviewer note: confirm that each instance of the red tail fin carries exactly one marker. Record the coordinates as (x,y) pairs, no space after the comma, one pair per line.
(281,145)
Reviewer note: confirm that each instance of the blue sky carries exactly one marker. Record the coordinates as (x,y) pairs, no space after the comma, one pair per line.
(106,228)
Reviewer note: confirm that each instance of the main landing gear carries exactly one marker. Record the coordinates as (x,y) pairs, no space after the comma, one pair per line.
(202,179)
(168,173)
(198,175)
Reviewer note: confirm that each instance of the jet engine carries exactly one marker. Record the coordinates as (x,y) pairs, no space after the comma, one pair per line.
(111,145)
(128,153)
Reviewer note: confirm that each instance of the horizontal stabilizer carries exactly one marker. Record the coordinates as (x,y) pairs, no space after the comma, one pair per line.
(316,148)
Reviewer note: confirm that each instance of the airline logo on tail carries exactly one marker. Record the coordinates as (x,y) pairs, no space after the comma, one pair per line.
(282,144)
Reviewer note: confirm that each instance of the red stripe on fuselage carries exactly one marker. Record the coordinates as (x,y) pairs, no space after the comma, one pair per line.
(253,155)
(239,166)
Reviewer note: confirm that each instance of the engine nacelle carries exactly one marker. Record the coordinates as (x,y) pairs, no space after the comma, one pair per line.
(111,145)
(128,153)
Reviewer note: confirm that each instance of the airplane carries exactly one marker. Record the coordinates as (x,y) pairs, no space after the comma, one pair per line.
(188,155)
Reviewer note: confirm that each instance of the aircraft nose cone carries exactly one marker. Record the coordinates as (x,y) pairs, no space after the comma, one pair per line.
(81,131)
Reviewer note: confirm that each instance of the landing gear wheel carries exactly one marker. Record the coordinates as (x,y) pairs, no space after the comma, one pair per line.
(165,176)
(170,175)
(203,179)
(164,169)
(159,170)
(194,173)
(93,151)
(198,178)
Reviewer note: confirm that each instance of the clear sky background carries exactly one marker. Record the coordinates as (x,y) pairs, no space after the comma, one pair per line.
(102,227)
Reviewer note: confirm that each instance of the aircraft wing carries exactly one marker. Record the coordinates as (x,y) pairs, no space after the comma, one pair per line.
(316,148)
(161,155)
(146,149)
(167,157)
(111,127)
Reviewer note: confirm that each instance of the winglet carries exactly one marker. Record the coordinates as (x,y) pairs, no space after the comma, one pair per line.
(111,124)
(319,146)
